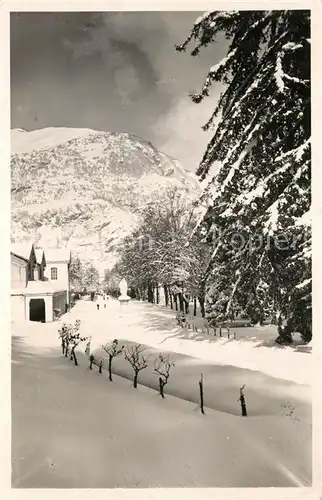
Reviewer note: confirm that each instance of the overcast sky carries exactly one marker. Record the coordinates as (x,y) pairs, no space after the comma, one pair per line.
(112,72)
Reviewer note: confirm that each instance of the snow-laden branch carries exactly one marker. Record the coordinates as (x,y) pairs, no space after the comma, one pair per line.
(249,144)
(296,80)
(298,152)
(304,283)
(279,73)
(201,19)
(305,219)
(291,46)
(228,308)
(213,72)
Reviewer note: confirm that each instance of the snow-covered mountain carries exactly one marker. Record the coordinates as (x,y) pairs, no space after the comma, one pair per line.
(85,189)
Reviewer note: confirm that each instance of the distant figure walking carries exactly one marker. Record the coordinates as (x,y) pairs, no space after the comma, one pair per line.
(97,306)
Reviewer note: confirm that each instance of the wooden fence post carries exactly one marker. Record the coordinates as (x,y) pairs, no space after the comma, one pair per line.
(242,401)
(201,394)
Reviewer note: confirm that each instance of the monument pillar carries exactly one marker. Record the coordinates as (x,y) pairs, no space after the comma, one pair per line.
(123,298)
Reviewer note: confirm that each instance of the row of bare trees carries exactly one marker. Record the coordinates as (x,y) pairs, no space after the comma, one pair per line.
(135,355)
(70,337)
(167,250)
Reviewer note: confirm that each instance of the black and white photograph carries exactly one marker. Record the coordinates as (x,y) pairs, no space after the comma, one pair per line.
(160,246)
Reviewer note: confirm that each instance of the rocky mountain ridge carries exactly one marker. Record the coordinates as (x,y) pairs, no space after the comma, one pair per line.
(86,189)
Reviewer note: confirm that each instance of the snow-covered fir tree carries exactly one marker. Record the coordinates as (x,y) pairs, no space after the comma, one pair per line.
(259,199)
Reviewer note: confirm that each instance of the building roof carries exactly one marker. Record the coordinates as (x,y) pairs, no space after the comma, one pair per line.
(22,250)
(39,287)
(57,255)
(18,291)
(39,255)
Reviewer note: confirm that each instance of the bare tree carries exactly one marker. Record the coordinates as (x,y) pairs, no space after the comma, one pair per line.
(162,367)
(134,355)
(62,332)
(113,349)
(201,394)
(71,338)
(242,401)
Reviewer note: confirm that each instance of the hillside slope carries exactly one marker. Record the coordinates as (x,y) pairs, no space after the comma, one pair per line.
(85,188)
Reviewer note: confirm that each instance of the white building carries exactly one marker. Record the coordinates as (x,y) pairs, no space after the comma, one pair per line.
(40,286)
(57,274)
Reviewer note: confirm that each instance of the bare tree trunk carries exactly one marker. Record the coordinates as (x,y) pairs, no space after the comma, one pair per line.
(135,383)
(161,386)
(150,293)
(171,300)
(175,302)
(63,347)
(201,394)
(181,302)
(195,306)
(158,294)
(243,406)
(66,350)
(202,305)
(186,304)
(110,358)
(74,356)
(243,402)
(166,296)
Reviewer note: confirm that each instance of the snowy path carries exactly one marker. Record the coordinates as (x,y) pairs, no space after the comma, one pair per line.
(156,326)
(74,429)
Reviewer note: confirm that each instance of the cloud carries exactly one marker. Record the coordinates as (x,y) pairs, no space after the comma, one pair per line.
(177,128)
(180,134)
(116,72)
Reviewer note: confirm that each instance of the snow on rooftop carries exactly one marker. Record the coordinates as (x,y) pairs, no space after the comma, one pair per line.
(39,254)
(22,249)
(39,287)
(57,254)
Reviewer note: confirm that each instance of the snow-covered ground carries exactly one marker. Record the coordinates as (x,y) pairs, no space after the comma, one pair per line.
(71,428)
(156,326)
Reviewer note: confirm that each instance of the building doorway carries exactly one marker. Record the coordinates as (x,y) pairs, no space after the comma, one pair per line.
(37,310)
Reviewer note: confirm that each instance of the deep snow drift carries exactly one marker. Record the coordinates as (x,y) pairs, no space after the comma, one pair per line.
(72,428)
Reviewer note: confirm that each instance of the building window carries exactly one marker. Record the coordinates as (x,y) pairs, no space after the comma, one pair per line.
(53,273)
